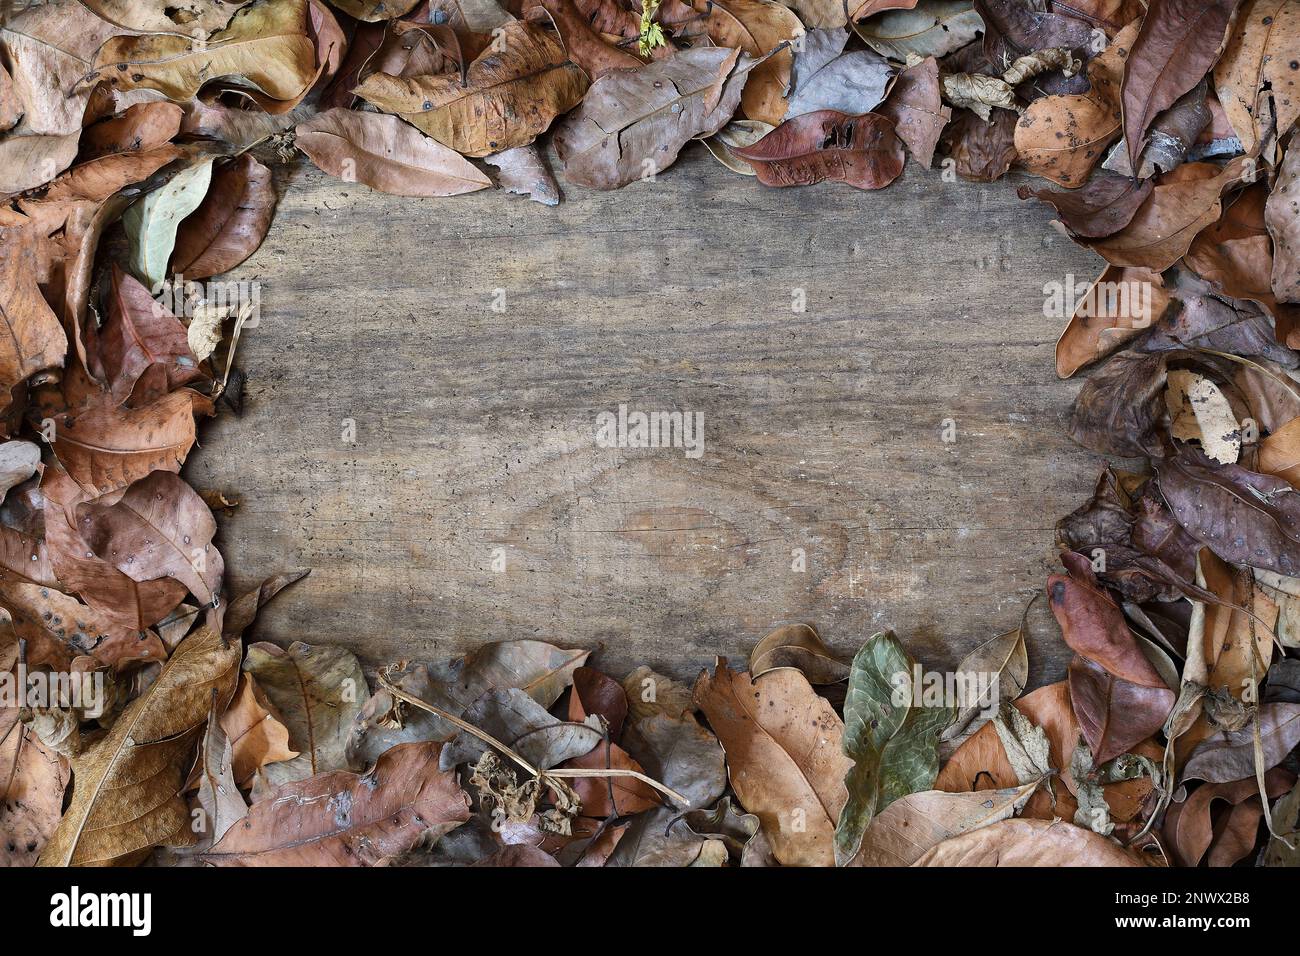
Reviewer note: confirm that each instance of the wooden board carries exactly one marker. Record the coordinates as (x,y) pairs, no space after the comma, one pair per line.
(823,429)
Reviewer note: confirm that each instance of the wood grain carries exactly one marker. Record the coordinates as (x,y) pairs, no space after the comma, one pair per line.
(475,429)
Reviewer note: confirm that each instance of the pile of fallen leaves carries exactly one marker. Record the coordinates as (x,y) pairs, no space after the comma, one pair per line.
(133,162)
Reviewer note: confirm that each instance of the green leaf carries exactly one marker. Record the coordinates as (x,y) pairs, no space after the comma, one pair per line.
(892,739)
(151,222)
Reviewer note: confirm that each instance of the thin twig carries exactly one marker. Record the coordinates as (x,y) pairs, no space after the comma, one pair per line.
(528,767)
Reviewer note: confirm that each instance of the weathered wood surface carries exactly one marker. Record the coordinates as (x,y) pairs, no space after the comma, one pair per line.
(475,429)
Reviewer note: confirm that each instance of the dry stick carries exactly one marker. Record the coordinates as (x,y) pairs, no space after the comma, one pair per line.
(528,767)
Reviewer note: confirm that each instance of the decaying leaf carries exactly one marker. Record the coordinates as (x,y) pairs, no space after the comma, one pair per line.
(317,692)
(862,151)
(141,762)
(510,95)
(386,154)
(339,818)
(784,759)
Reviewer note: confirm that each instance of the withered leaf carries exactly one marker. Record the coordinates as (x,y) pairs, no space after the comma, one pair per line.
(927,28)
(107,447)
(1255,71)
(265,46)
(345,819)
(125,798)
(862,151)
(1177,45)
(798,646)
(143,347)
(159,528)
(1029,843)
(1242,516)
(1230,754)
(1282,214)
(908,828)
(317,691)
(35,340)
(783,757)
(1063,137)
(916,108)
(386,154)
(632,124)
(229,224)
(1102,206)
(511,94)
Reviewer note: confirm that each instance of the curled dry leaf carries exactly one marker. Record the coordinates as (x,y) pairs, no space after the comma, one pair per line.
(1063,137)
(1282,215)
(142,346)
(798,646)
(345,819)
(140,128)
(266,47)
(1119,305)
(229,224)
(915,106)
(141,762)
(524,172)
(759,29)
(862,151)
(386,154)
(1242,516)
(35,339)
(187,17)
(1230,754)
(1118,697)
(540,670)
(510,95)
(908,828)
(218,796)
(106,448)
(1254,73)
(257,736)
(1105,204)
(1178,44)
(927,28)
(783,746)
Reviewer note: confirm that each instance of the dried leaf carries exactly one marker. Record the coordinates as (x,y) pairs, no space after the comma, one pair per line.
(386,154)
(783,746)
(229,224)
(862,151)
(140,763)
(511,94)
(1177,46)
(344,819)
(317,691)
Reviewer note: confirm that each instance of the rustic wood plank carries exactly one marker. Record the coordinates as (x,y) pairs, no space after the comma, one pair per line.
(475,429)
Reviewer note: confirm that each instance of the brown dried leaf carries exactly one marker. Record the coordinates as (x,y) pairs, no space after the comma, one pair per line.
(126,796)
(511,94)
(386,154)
(784,757)
(862,151)
(345,819)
